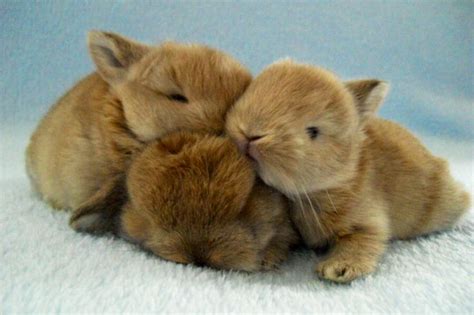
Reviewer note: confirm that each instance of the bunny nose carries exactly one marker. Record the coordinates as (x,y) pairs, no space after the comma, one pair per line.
(244,144)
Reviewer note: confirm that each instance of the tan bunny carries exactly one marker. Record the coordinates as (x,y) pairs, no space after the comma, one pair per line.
(193,198)
(355,180)
(139,93)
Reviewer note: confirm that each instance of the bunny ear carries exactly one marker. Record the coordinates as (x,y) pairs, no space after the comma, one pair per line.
(114,54)
(368,95)
(98,215)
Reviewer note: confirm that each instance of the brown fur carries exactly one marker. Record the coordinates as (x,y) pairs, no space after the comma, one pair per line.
(139,93)
(360,182)
(192,198)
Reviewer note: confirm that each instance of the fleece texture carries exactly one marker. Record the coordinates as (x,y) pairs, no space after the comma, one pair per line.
(48,268)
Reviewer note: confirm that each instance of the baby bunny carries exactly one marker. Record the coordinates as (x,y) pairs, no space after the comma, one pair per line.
(355,180)
(193,198)
(139,93)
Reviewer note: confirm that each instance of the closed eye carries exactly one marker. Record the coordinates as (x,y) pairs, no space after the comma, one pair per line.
(312,132)
(178,98)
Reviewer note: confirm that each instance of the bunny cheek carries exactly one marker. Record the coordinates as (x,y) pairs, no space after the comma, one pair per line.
(140,230)
(313,167)
(231,249)
(279,162)
(207,83)
(150,115)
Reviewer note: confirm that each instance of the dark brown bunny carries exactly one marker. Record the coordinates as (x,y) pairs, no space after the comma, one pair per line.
(192,198)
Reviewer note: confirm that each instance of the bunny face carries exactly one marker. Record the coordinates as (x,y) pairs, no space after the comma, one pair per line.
(300,126)
(193,199)
(168,87)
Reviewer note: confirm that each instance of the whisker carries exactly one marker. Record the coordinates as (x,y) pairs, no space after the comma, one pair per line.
(332,203)
(296,197)
(314,212)
(300,203)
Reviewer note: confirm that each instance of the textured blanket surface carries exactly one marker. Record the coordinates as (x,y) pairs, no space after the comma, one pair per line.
(48,268)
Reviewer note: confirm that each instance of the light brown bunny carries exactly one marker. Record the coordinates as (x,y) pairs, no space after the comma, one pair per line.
(139,93)
(193,198)
(355,180)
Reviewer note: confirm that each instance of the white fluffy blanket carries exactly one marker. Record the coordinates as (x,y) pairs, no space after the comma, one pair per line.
(45,267)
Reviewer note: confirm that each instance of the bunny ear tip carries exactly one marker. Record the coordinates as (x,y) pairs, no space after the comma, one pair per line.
(95,36)
(382,89)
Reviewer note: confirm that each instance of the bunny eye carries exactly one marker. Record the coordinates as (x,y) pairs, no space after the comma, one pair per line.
(178,98)
(312,132)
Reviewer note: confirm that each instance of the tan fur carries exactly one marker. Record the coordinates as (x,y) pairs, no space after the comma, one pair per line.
(360,182)
(136,95)
(193,199)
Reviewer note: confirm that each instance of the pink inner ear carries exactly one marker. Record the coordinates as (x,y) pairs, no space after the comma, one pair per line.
(110,57)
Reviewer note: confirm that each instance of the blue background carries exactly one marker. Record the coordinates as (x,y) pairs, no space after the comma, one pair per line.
(423,48)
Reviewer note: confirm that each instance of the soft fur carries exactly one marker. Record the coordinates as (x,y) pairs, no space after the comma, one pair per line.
(355,180)
(139,93)
(193,198)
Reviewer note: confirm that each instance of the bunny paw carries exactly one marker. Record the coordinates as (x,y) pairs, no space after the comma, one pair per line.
(343,270)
